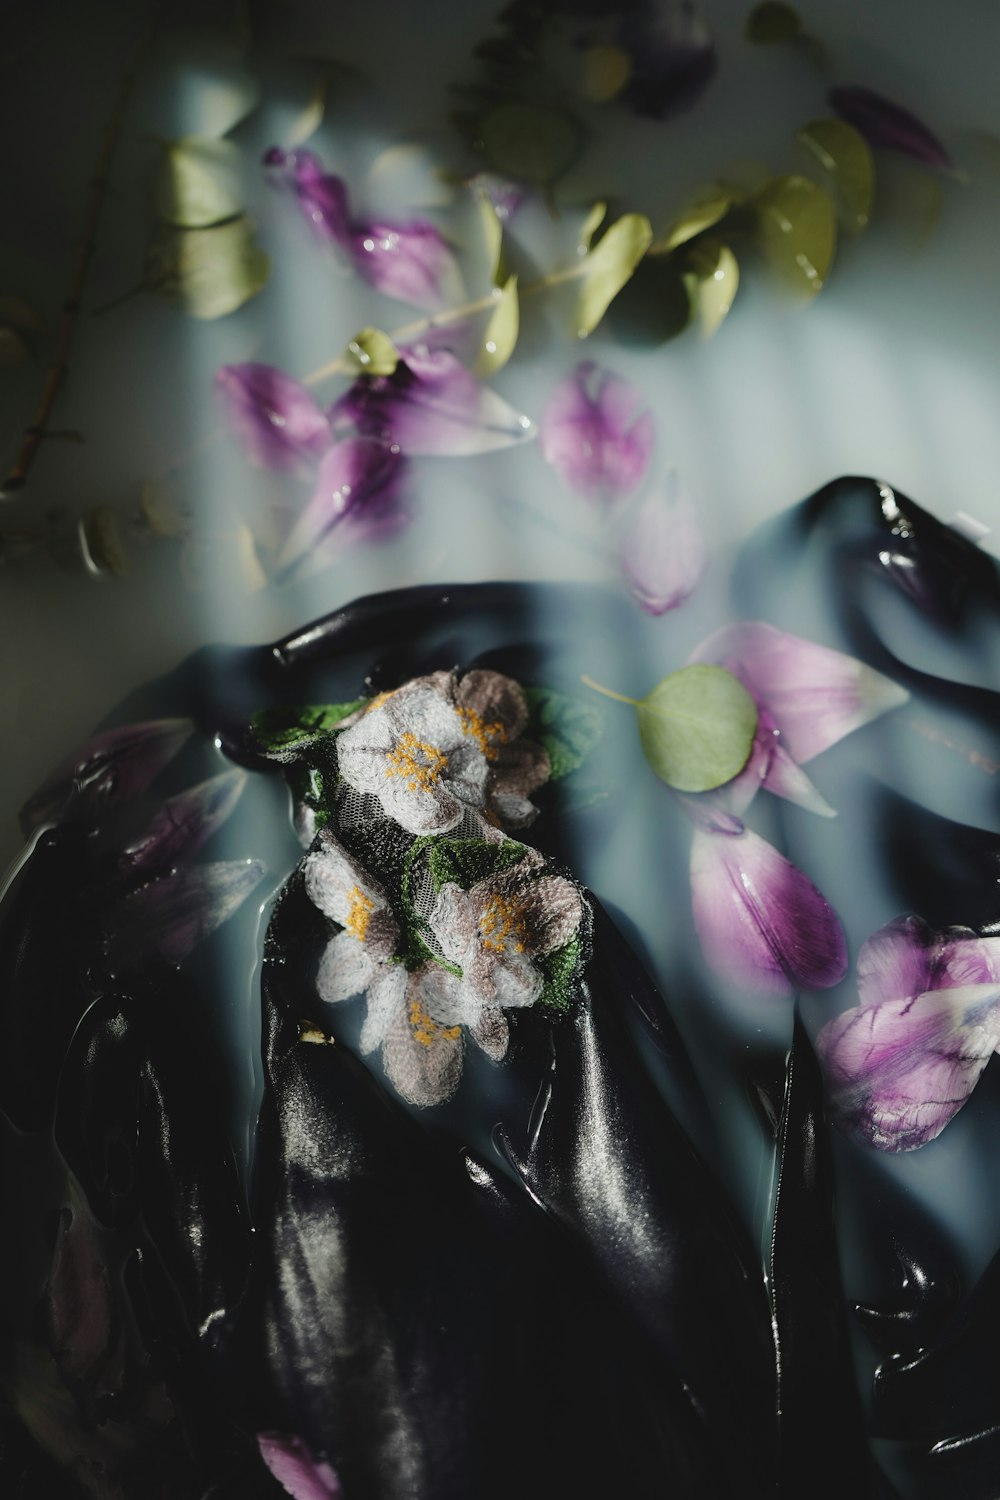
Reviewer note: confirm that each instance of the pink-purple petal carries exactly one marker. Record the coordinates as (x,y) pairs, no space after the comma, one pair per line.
(897,1071)
(815,695)
(79,1296)
(275,417)
(184,823)
(597,434)
(760,921)
(430,405)
(886,124)
(664,553)
(356,476)
(894,963)
(172,914)
(294,1466)
(112,768)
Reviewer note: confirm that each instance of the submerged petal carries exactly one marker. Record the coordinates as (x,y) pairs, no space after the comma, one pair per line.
(184,823)
(894,963)
(664,553)
(357,477)
(430,405)
(304,1476)
(278,421)
(815,695)
(174,913)
(113,768)
(897,1071)
(673,58)
(760,921)
(886,124)
(596,433)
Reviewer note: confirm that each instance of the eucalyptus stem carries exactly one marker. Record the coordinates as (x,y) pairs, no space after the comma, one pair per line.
(608,692)
(36,431)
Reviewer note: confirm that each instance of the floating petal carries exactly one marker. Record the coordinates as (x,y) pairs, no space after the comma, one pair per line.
(359,478)
(886,124)
(184,823)
(760,921)
(277,420)
(112,768)
(596,433)
(664,553)
(296,1469)
(171,915)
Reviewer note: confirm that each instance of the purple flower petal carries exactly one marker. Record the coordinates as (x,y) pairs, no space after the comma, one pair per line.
(814,695)
(897,1071)
(79,1297)
(275,417)
(664,554)
(112,768)
(596,434)
(171,915)
(294,1466)
(905,958)
(430,404)
(673,59)
(884,123)
(184,823)
(356,477)
(760,921)
(410,261)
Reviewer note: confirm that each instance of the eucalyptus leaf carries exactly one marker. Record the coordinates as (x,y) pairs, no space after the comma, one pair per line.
(609,266)
(372,352)
(408,173)
(493,239)
(700,215)
(308,121)
(847,157)
(198,182)
(208,272)
(530,142)
(797,224)
(697,727)
(590,226)
(605,72)
(712,280)
(500,336)
(772,22)
(101,543)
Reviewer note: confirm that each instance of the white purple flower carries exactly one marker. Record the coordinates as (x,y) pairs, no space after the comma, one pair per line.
(899,1066)
(497,929)
(664,553)
(410,262)
(760,921)
(597,434)
(430,405)
(277,419)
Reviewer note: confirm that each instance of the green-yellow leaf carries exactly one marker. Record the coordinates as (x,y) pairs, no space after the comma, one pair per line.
(372,352)
(530,142)
(101,543)
(700,215)
(772,21)
(606,71)
(310,118)
(590,226)
(697,727)
(847,157)
(492,239)
(500,337)
(208,272)
(798,231)
(198,182)
(712,280)
(609,266)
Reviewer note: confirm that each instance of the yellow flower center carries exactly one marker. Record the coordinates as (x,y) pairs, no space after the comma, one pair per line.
(418,760)
(425,1030)
(485,733)
(360,913)
(502,924)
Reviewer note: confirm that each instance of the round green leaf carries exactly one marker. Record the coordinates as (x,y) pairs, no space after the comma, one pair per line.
(846,155)
(198,183)
(702,214)
(492,240)
(590,226)
(609,266)
(771,22)
(209,272)
(712,281)
(605,72)
(697,728)
(798,231)
(500,337)
(372,352)
(530,142)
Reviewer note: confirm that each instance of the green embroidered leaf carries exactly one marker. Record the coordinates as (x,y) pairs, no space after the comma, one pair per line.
(712,281)
(281,733)
(608,267)
(530,142)
(464,862)
(590,226)
(847,157)
(772,22)
(306,785)
(697,727)
(697,217)
(798,231)
(500,336)
(208,272)
(198,183)
(560,970)
(372,352)
(567,728)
